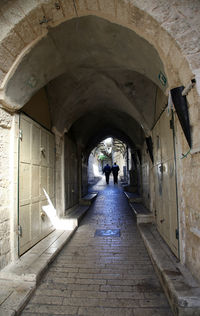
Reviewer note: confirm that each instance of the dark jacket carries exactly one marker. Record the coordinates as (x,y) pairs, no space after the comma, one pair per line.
(115,169)
(107,169)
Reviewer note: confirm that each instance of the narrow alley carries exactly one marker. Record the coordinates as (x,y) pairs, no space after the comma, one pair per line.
(92,89)
(102,275)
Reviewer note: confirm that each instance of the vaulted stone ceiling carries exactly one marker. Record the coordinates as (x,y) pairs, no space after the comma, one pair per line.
(90,65)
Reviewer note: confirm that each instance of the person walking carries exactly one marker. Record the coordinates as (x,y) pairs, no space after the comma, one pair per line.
(107,171)
(115,169)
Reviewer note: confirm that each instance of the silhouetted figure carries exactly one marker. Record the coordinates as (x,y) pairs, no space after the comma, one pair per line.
(115,170)
(107,171)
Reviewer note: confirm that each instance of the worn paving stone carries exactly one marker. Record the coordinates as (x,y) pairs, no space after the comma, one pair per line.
(102,275)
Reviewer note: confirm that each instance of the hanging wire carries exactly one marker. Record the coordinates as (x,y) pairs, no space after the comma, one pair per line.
(185,155)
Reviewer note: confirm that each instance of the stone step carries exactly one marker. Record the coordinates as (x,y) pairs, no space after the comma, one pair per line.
(141,213)
(130,188)
(133,197)
(77,213)
(182,291)
(88,199)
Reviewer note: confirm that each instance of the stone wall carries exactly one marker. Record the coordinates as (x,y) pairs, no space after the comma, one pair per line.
(188,162)
(71,169)
(8,187)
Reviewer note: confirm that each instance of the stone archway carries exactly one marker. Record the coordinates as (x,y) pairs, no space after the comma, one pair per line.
(162,25)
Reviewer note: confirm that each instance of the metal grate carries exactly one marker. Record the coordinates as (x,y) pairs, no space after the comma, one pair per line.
(107,233)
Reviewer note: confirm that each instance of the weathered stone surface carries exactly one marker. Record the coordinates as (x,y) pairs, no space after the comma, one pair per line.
(13,43)
(28,6)
(34,19)
(81,5)
(5,119)
(194,38)
(25,31)
(2,76)
(12,13)
(4,214)
(5,229)
(4,27)
(92,5)
(54,15)
(69,9)
(6,59)
(4,245)
(107,7)
(5,260)
(122,11)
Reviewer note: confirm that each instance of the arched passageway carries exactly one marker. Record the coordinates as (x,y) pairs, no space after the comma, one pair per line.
(87,71)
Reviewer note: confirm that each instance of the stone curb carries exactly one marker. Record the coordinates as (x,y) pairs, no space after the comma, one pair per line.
(19,280)
(182,291)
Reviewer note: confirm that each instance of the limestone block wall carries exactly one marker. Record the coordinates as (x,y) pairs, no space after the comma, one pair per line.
(188,163)
(8,187)
(5,249)
(91,161)
(71,167)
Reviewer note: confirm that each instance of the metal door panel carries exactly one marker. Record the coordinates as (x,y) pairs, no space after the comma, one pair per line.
(35,154)
(35,190)
(51,152)
(25,144)
(157,145)
(43,181)
(50,182)
(35,174)
(44,149)
(173,225)
(35,222)
(25,223)
(166,134)
(46,225)
(25,184)
(165,185)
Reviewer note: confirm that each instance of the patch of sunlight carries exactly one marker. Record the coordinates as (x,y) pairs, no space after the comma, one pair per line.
(58,223)
(108,141)
(96,170)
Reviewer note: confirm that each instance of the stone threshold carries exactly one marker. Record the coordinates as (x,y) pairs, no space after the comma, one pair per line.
(181,289)
(19,280)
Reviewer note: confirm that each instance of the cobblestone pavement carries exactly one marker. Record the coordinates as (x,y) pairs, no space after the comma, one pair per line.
(96,275)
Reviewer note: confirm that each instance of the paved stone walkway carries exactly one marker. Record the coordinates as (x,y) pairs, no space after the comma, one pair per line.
(96,275)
